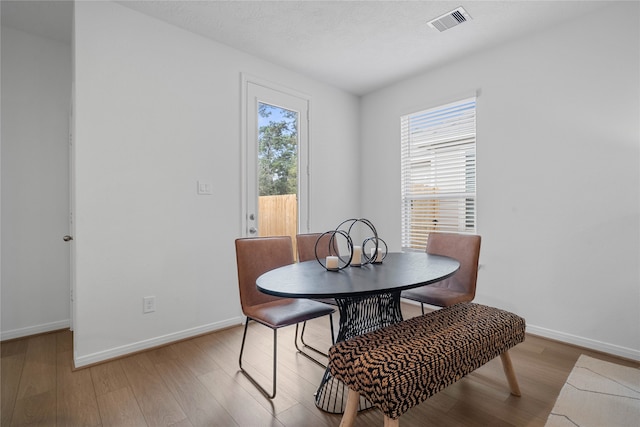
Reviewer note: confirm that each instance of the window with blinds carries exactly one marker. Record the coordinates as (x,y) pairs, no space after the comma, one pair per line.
(438,172)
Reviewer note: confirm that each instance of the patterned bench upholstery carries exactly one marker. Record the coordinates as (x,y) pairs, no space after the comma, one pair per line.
(402,365)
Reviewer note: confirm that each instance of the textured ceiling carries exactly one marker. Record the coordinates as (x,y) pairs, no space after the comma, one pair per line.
(49,19)
(358,46)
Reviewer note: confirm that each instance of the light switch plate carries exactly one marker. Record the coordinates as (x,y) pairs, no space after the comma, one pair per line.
(205,188)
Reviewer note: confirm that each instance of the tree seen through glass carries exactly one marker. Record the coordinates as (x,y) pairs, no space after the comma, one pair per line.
(277,150)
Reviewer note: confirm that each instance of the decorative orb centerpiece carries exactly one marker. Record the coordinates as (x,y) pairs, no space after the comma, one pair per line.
(335,262)
(372,251)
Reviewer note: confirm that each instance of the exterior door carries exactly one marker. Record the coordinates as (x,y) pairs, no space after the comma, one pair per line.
(276,161)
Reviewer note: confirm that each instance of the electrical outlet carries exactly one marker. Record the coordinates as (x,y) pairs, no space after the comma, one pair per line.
(148,305)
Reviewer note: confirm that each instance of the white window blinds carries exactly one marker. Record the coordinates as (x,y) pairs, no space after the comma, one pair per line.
(438,172)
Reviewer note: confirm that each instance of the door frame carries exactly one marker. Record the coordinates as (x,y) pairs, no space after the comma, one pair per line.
(72,207)
(245,164)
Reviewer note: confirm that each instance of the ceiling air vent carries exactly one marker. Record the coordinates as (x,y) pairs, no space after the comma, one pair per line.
(450,19)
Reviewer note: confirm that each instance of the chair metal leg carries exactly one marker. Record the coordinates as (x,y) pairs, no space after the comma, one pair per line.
(307,355)
(304,344)
(275,362)
(333,337)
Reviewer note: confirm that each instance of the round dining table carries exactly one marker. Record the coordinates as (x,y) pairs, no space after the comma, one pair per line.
(368,298)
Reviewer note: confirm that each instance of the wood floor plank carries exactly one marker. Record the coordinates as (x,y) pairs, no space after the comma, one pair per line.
(192,356)
(13,347)
(300,415)
(39,372)
(158,405)
(10,372)
(108,377)
(226,356)
(120,408)
(198,403)
(201,407)
(197,382)
(239,403)
(35,410)
(211,345)
(490,398)
(260,366)
(36,397)
(76,396)
(261,372)
(64,341)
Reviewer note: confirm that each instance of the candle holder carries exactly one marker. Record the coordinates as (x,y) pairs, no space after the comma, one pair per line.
(377,252)
(342,261)
(351,223)
(345,229)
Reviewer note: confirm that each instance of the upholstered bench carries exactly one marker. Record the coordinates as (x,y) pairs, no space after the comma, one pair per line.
(400,366)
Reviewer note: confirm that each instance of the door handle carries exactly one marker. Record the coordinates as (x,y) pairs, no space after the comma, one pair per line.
(67,238)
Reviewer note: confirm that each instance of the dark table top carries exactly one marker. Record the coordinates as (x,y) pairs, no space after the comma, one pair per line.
(398,271)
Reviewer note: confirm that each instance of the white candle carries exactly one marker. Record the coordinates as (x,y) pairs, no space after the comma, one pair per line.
(376,257)
(332,262)
(357,256)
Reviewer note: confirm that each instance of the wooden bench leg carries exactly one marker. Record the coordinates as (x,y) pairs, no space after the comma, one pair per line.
(388,422)
(351,410)
(507,366)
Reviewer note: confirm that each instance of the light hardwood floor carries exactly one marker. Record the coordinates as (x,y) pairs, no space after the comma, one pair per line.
(196,383)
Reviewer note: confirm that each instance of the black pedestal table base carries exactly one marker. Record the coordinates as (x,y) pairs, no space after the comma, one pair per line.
(368,298)
(358,315)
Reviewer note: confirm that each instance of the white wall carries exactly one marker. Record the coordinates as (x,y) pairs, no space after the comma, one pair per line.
(36,92)
(558,152)
(158,108)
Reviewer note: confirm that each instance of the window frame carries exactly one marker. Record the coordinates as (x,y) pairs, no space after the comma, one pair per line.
(438,172)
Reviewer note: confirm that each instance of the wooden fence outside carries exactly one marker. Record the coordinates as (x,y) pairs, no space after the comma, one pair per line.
(278,216)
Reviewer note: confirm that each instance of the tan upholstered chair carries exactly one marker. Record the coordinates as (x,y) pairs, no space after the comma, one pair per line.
(461,287)
(255,256)
(306,245)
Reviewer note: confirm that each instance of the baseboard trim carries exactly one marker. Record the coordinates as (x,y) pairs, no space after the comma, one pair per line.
(627,353)
(34,330)
(125,350)
(616,350)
